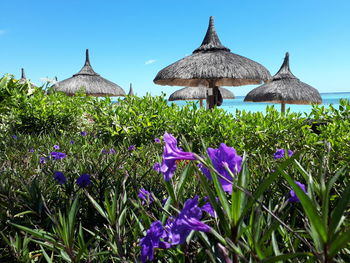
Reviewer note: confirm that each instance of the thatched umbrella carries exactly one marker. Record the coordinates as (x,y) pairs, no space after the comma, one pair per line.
(131,91)
(212,65)
(198,93)
(285,88)
(24,80)
(92,82)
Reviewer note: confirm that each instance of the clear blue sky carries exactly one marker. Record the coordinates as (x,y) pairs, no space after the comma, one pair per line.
(130,41)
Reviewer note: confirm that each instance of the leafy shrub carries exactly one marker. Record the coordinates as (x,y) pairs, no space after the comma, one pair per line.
(44,219)
(38,112)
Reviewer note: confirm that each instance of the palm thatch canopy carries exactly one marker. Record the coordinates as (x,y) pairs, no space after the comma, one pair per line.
(212,61)
(92,82)
(285,88)
(131,91)
(24,80)
(212,65)
(198,93)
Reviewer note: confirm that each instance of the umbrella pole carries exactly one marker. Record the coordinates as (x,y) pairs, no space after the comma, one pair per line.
(201,103)
(211,98)
(216,95)
(283,107)
(207,99)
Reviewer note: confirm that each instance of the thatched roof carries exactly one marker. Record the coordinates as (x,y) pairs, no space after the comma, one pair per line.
(92,82)
(212,62)
(285,88)
(24,80)
(131,91)
(198,93)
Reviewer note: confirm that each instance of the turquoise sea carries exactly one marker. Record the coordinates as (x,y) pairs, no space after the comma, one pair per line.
(238,103)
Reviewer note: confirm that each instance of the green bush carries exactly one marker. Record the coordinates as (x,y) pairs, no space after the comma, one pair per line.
(39,112)
(44,221)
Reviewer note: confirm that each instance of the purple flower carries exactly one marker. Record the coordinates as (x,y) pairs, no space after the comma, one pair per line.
(58,155)
(153,240)
(204,170)
(111,151)
(59,177)
(157,140)
(189,219)
(42,160)
(175,230)
(172,153)
(156,167)
(131,148)
(83,180)
(104,151)
(71,142)
(14,137)
(145,196)
(208,208)
(293,196)
(31,150)
(57,147)
(280,153)
(164,201)
(225,158)
(83,133)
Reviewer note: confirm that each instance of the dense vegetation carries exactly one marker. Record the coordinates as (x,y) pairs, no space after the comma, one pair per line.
(79,181)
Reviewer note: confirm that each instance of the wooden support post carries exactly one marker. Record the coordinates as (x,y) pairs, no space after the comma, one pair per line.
(283,107)
(211,95)
(216,93)
(201,103)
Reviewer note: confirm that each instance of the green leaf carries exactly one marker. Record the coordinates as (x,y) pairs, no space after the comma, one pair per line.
(183,179)
(266,183)
(259,191)
(97,206)
(308,178)
(166,208)
(138,222)
(222,217)
(309,209)
(275,244)
(221,194)
(7,241)
(24,213)
(285,257)
(303,172)
(122,217)
(169,187)
(341,240)
(37,233)
(334,178)
(238,197)
(72,216)
(65,256)
(339,209)
(46,256)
